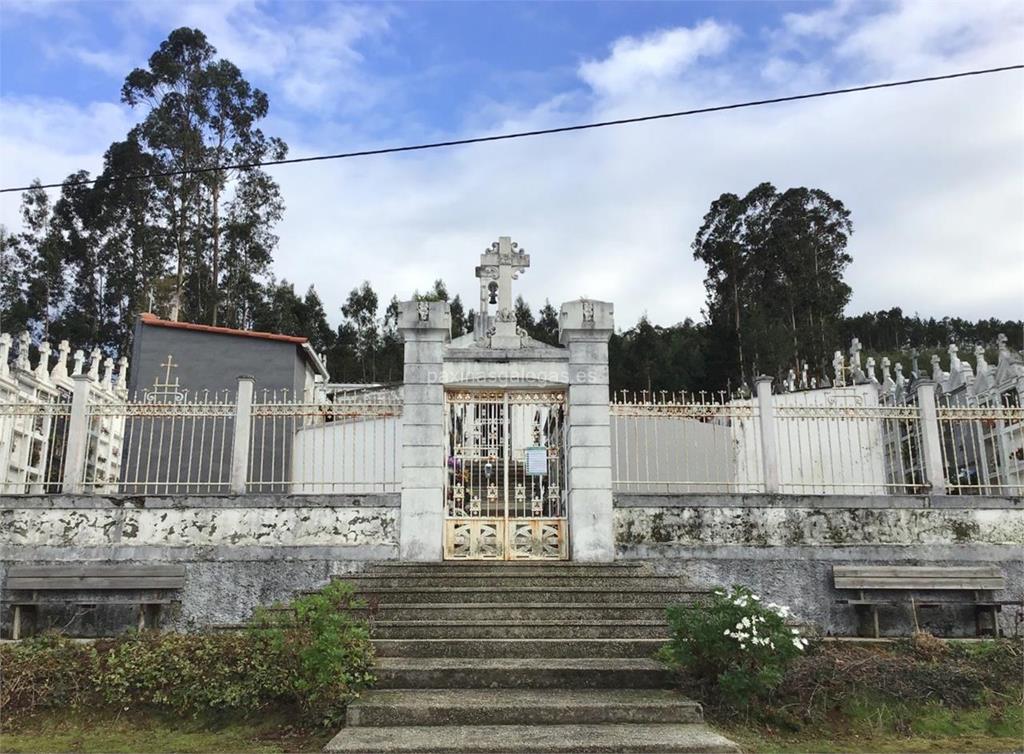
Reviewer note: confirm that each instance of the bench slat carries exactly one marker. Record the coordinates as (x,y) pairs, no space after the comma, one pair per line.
(920,583)
(57,601)
(902,571)
(88,569)
(95,582)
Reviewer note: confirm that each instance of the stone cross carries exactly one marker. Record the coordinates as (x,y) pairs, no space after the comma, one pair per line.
(954,360)
(837,365)
(94,364)
(60,369)
(122,375)
(870,367)
(887,381)
(499,266)
(22,362)
(856,373)
(855,349)
(979,358)
(79,361)
(43,367)
(107,382)
(5,353)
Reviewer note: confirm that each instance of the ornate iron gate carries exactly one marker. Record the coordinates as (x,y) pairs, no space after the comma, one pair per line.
(504,491)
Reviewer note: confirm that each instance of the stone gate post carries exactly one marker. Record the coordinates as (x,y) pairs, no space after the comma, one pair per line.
(425,326)
(584,328)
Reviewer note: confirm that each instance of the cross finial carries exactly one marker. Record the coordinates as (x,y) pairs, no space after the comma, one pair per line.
(60,369)
(168,366)
(500,264)
(855,349)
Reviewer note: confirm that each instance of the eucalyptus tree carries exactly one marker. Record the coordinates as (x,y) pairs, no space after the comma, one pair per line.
(38,258)
(775,291)
(201,115)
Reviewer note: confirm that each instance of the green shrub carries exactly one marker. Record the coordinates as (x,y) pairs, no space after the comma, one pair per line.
(314,655)
(734,647)
(45,671)
(331,646)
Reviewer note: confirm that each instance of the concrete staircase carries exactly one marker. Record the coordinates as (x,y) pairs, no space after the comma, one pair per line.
(521,657)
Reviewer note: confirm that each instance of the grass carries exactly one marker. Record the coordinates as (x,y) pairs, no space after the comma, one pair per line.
(860,727)
(149,733)
(881,727)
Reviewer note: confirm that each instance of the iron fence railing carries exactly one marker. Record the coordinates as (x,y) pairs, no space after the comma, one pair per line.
(679,442)
(982,449)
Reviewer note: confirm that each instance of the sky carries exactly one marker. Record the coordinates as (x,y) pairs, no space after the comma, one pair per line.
(933,175)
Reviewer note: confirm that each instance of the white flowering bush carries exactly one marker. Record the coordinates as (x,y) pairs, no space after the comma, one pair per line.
(735,645)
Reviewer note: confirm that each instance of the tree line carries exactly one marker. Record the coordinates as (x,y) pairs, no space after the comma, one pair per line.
(196,243)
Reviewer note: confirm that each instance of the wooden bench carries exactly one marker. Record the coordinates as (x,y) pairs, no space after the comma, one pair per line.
(64,584)
(979,581)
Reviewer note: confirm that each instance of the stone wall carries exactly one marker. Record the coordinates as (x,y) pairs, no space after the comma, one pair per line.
(784,547)
(239,552)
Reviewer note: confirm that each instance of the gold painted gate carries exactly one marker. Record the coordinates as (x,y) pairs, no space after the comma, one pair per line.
(504,493)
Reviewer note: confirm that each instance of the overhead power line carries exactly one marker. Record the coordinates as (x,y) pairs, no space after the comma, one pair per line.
(525,134)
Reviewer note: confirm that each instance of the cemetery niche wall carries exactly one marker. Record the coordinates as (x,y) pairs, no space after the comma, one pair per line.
(499,448)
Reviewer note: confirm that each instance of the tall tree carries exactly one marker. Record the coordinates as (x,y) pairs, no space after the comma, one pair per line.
(14,310)
(547,324)
(360,310)
(41,260)
(774,279)
(201,114)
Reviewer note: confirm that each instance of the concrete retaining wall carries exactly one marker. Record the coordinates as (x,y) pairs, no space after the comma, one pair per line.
(784,547)
(241,552)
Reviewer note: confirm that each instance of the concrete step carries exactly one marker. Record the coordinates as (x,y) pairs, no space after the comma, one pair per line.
(511,568)
(623,582)
(520,673)
(555,594)
(550,629)
(519,611)
(534,647)
(400,707)
(540,739)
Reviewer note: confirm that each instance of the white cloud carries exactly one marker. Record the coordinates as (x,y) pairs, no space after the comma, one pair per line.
(656,57)
(116,64)
(50,139)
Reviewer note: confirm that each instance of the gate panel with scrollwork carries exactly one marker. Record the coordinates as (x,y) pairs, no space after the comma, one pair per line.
(504,494)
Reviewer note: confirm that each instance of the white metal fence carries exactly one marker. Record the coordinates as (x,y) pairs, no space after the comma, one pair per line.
(90,436)
(836,441)
(982,448)
(679,442)
(162,443)
(351,445)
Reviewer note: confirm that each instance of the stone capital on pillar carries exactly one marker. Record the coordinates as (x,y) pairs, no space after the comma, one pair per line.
(424,320)
(585,319)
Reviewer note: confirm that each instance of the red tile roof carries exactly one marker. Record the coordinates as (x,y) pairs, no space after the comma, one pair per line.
(152,319)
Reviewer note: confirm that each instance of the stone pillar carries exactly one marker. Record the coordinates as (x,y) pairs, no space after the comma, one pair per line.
(584,328)
(243,431)
(931,439)
(425,326)
(769,434)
